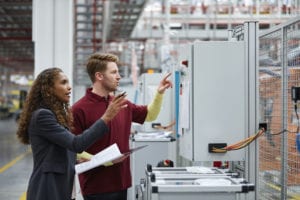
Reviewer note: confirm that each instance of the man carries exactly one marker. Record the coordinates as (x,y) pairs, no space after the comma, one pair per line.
(110,182)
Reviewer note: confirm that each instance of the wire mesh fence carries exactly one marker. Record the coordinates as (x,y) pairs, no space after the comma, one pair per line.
(279,70)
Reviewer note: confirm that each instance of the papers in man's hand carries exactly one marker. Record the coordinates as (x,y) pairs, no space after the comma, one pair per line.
(111,154)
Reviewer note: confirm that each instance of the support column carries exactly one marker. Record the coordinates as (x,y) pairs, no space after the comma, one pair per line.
(52,34)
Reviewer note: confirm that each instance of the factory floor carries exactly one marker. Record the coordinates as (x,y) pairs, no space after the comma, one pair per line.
(15,163)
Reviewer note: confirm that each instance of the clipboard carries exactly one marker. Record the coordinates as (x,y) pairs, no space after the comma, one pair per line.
(135,149)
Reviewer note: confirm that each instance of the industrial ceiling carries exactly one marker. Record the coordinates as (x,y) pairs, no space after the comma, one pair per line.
(97,22)
(16,46)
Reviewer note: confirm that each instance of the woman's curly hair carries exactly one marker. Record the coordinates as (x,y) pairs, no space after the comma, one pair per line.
(41,95)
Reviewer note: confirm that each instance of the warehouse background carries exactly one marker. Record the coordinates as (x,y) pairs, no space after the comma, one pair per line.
(146,36)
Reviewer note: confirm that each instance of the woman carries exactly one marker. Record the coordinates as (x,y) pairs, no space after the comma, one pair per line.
(45,123)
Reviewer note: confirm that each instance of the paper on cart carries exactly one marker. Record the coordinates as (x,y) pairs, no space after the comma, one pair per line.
(153,135)
(200,170)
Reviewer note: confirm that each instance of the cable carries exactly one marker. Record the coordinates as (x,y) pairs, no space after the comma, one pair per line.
(297,116)
(241,144)
(165,128)
(247,141)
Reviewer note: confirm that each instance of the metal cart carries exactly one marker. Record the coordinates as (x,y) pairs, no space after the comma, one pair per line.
(205,188)
(158,174)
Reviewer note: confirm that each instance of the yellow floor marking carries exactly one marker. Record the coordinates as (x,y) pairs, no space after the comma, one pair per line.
(292,197)
(295,197)
(23,197)
(14,161)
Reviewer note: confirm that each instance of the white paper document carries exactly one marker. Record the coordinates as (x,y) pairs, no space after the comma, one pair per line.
(153,135)
(110,154)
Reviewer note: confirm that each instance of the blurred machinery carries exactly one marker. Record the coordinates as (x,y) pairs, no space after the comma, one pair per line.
(12,104)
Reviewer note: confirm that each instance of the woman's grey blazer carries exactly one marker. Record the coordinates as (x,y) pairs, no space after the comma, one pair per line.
(54,155)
